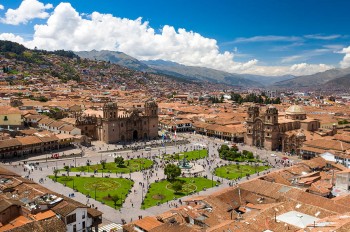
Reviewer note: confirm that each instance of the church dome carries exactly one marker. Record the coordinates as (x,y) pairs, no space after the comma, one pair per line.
(295,109)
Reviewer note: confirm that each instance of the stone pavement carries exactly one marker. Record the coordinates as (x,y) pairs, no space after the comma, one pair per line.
(131,208)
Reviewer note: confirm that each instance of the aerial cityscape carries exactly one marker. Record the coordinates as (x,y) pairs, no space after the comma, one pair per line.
(168,116)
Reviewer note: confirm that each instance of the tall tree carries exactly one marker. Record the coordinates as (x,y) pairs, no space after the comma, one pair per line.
(172,171)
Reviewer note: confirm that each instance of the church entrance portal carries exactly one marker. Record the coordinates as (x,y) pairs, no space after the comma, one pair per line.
(135,135)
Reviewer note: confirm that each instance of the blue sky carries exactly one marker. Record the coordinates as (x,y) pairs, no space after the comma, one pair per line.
(258,36)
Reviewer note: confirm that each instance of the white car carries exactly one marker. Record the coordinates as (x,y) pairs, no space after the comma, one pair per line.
(273,155)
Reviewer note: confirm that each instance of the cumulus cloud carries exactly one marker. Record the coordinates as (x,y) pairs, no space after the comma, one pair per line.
(66,28)
(345,63)
(296,69)
(11,37)
(1,7)
(28,10)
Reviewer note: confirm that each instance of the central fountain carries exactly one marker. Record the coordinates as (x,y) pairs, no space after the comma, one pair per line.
(184,164)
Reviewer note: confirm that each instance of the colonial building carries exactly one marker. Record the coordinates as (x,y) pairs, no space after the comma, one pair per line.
(277,132)
(134,124)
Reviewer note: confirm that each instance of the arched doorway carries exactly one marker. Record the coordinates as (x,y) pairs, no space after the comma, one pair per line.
(135,135)
(145,136)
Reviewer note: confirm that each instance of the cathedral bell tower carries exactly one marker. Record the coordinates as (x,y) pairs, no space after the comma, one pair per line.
(271,128)
(151,109)
(253,113)
(271,115)
(110,111)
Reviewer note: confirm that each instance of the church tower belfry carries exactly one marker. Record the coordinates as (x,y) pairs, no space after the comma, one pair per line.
(110,111)
(271,115)
(253,113)
(151,109)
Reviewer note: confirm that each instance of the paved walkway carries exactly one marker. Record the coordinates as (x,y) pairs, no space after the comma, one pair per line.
(131,208)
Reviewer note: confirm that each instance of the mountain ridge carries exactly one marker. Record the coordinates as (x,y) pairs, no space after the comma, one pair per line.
(182,71)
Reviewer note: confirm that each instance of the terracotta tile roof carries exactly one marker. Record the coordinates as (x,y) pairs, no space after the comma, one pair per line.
(50,224)
(56,124)
(9,110)
(328,144)
(342,137)
(9,143)
(94,212)
(5,203)
(43,215)
(29,140)
(67,128)
(29,131)
(46,121)
(148,223)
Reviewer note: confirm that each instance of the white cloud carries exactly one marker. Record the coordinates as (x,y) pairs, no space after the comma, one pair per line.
(307,69)
(323,37)
(2,7)
(11,37)
(296,69)
(345,63)
(28,10)
(290,59)
(270,38)
(67,29)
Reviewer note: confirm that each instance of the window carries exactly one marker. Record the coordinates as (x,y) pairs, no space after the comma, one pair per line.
(71,218)
(5,118)
(144,122)
(74,228)
(134,123)
(84,224)
(122,125)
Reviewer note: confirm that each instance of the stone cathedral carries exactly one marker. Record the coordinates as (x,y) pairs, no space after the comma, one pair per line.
(267,129)
(129,125)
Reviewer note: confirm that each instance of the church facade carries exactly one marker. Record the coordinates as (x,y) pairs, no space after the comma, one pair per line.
(130,125)
(267,129)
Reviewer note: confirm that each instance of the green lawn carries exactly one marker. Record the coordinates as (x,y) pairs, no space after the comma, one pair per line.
(190,155)
(132,165)
(162,192)
(104,186)
(234,171)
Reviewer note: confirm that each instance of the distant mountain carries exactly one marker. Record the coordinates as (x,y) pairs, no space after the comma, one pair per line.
(313,80)
(200,73)
(115,57)
(191,73)
(339,83)
(267,80)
